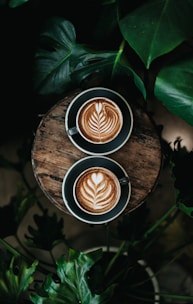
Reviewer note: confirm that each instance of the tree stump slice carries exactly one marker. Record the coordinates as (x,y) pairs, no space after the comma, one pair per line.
(53,154)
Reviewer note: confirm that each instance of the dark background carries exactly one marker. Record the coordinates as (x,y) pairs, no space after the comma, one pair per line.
(19,32)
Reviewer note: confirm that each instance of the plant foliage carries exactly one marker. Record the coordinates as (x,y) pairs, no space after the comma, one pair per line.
(152,44)
(72,286)
(15,280)
(147,42)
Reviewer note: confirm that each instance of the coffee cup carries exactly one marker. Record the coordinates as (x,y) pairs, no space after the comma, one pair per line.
(99,121)
(96,189)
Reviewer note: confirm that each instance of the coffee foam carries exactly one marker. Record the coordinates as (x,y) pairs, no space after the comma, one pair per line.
(100,120)
(97,190)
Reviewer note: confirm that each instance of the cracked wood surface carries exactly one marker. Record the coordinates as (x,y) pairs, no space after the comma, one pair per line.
(53,154)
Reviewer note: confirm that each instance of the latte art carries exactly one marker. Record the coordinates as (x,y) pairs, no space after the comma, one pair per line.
(97,190)
(100,120)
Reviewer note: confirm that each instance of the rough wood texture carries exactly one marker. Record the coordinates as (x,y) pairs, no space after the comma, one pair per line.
(53,154)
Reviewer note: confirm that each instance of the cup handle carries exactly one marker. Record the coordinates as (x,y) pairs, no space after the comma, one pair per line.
(124,180)
(72,131)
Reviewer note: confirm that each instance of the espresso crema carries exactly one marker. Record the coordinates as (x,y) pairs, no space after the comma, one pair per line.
(100,120)
(97,190)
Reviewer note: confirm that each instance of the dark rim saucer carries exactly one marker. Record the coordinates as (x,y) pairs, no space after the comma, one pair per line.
(116,143)
(72,174)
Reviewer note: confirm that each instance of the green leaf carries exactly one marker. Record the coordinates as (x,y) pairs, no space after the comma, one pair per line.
(97,67)
(138,82)
(49,231)
(15,280)
(16,3)
(173,87)
(157,27)
(73,286)
(186,209)
(59,60)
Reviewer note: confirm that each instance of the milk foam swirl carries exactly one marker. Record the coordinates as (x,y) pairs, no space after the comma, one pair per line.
(97,191)
(100,120)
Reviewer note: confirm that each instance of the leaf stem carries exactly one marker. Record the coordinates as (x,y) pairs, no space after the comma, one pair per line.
(117,254)
(156,225)
(160,221)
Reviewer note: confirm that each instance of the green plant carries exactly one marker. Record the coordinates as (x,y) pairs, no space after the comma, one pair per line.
(74,277)
(144,43)
(149,41)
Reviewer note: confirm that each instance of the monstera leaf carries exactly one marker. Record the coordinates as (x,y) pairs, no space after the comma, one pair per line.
(72,284)
(59,58)
(157,27)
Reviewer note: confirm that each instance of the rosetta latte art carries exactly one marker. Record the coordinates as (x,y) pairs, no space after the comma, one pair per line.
(97,191)
(100,120)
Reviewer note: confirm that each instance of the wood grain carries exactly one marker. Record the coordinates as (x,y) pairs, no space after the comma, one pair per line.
(53,154)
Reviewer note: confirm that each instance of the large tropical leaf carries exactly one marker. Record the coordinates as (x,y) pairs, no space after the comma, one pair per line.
(60,57)
(157,27)
(174,88)
(15,280)
(73,285)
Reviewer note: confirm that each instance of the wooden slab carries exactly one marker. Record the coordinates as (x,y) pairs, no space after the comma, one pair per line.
(53,154)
